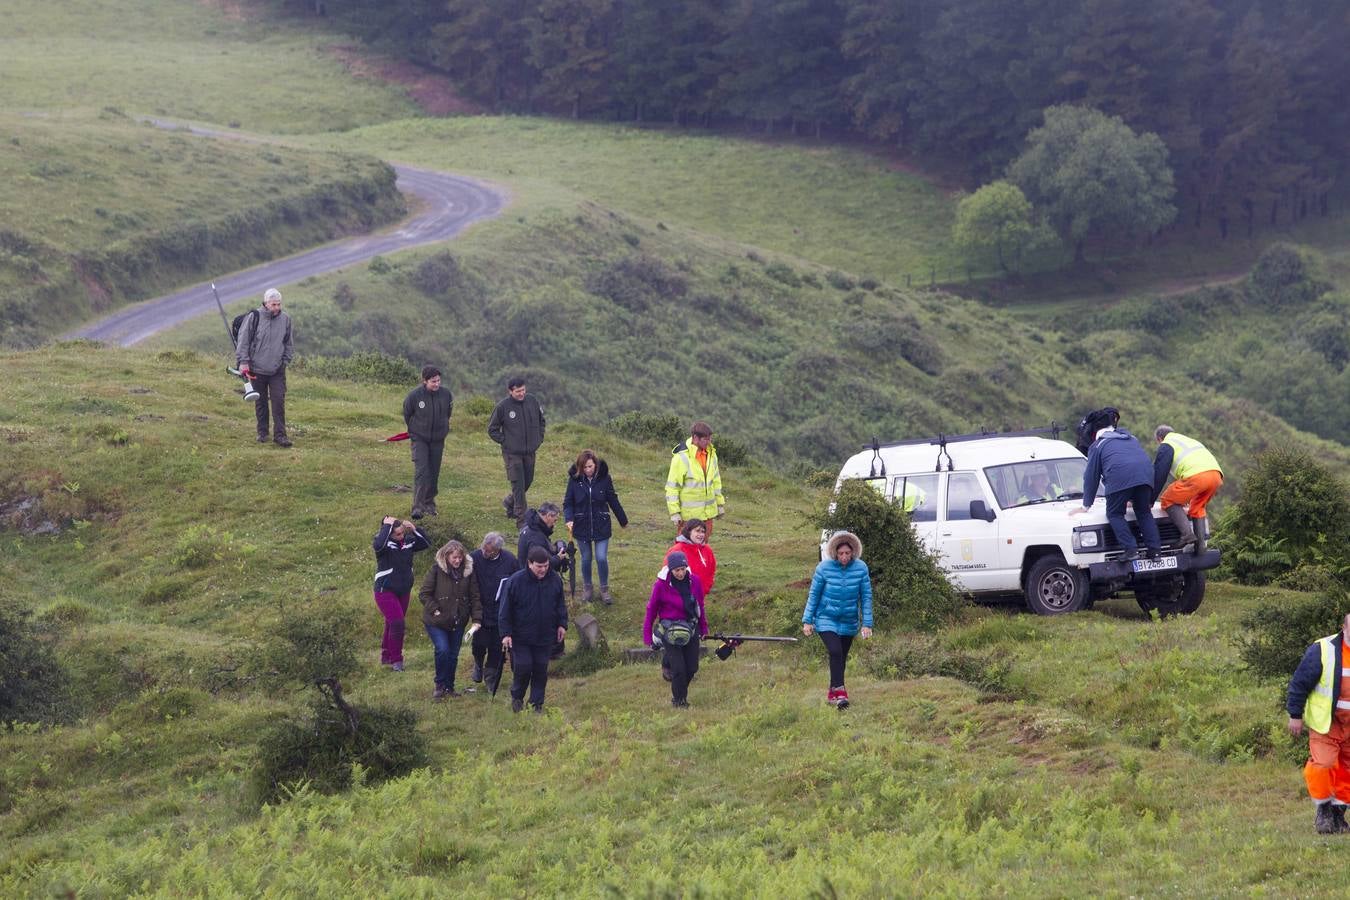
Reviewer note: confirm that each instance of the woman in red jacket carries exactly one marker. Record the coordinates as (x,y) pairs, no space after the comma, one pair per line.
(693,543)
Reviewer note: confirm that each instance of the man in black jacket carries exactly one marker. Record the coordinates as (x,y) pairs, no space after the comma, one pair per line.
(492,565)
(531,616)
(518,425)
(538,532)
(426,411)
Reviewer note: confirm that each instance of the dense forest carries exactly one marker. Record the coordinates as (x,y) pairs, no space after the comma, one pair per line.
(1245,94)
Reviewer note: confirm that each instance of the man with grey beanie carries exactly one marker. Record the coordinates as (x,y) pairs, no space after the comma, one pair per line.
(264,350)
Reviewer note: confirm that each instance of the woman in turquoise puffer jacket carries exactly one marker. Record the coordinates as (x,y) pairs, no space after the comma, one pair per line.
(839,606)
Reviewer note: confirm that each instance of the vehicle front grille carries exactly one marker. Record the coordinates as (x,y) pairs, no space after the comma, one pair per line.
(1170,537)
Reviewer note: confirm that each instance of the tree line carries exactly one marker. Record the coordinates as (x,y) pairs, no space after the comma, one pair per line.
(1243,93)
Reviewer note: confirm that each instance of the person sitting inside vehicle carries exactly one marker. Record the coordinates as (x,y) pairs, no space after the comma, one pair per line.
(1038,486)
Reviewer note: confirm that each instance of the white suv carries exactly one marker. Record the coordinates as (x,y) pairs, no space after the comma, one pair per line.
(995,509)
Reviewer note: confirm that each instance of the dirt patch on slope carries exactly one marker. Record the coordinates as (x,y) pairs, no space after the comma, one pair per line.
(433,93)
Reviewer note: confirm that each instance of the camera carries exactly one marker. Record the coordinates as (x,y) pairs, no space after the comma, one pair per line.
(569,548)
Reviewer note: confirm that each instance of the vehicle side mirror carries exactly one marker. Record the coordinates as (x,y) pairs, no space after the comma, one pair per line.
(979,510)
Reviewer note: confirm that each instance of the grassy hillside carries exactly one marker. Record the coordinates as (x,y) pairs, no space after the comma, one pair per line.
(608,313)
(101,210)
(1039,769)
(230,63)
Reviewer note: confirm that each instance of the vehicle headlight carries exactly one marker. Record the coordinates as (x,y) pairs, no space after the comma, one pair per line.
(1088,539)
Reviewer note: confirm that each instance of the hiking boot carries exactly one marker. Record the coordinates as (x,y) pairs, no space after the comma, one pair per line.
(417,513)
(477,675)
(586,593)
(1129,555)
(517,705)
(396,667)
(283,441)
(1178,517)
(538,708)
(1338,817)
(1201,527)
(1153,554)
(606,596)
(1325,822)
(263,438)
(440,693)
(679,704)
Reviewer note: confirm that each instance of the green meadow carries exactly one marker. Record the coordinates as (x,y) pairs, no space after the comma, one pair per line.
(1101,746)
(759,285)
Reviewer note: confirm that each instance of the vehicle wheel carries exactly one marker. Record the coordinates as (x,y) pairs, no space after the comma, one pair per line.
(1054,587)
(1178,596)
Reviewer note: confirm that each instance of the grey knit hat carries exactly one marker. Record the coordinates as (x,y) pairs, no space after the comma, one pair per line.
(677,559)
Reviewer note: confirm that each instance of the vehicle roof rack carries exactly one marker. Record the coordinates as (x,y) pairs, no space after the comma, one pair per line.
(1054,429)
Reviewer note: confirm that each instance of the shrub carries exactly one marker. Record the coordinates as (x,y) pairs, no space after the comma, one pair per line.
(783,274)
(1284,275)
(322,753)
(437,274)
(909,590)
(663,430)
(368,366)
(314,646)
(380,266)
(1279,631)
(478,405)
(344,298)
(635,281)
(840,281)
(730,452)
(1293,510)
(33,685)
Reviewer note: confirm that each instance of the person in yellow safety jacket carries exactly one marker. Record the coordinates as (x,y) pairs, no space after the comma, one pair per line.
(911,495)
(1196,479)
(1320,699)
(694,482)
(1038,486)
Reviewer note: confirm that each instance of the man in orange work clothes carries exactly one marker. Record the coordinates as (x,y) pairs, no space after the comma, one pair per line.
(1320,698)
(1196,479)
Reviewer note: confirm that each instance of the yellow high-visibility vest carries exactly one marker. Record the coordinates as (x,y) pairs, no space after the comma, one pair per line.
(1189,456)
(692,492)
(1317,711)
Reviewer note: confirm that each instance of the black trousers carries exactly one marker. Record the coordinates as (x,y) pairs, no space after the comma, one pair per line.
(1141,498)
(838,646)
(530,670)
(488,653)
(426,457)
(520,472)
(683,665)
(271,390)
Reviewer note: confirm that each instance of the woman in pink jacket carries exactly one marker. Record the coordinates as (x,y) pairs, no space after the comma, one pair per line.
(675,621)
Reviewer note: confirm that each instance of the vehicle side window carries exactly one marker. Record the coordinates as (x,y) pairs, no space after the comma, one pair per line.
(962,487)
(918,495)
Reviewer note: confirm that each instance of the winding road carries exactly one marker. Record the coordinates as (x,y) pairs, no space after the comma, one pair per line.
(452,204)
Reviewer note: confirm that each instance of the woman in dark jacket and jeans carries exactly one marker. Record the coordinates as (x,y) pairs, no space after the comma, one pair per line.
(450,601)
(394,546)
(586,505)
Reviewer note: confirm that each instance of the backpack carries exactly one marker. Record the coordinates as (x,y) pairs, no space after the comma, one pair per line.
(238,323)
(1093,422)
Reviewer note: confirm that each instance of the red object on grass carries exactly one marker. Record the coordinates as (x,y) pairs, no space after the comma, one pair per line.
(401,436)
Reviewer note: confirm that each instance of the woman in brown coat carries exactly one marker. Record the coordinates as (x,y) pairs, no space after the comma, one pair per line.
(450,601)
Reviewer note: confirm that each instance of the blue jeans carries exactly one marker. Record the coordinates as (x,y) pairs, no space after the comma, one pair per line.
(446,642)
(601,560)
(1141,498)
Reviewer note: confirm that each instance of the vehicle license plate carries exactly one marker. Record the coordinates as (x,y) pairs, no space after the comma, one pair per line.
(1153,565)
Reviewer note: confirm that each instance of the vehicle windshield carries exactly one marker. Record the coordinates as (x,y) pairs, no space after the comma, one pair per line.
(1037,481)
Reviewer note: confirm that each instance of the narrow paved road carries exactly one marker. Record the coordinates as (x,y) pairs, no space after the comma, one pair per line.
(452,203)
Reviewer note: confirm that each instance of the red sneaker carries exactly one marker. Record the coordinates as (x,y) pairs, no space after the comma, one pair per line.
(833,698)
(841,699)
